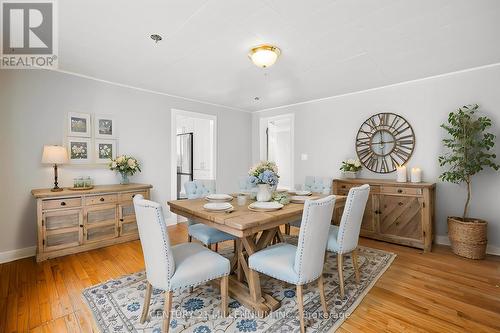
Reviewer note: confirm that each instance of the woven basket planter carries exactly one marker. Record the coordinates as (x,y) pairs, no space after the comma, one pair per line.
(468,238)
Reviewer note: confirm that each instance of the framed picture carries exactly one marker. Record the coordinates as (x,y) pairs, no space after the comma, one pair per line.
(104,127)
(79,150)
(79,124)
(104,150)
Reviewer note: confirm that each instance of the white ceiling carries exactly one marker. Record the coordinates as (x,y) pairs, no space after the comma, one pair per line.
(329,47)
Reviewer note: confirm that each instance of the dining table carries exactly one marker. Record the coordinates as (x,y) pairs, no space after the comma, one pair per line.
(254,231)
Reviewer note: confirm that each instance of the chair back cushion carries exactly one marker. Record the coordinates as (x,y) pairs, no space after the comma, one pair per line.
(318,184)
(199,188)
(350,224)
(313,237)
(155,243)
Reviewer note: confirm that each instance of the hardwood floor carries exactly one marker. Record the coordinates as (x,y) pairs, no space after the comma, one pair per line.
(436,292)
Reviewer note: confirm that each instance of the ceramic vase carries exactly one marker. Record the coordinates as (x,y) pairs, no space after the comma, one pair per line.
(265,192)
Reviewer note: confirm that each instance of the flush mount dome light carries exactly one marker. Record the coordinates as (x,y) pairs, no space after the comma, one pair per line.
(264,55)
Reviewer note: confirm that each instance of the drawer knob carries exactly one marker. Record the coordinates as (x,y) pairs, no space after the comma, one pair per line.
(400,191)
(343,186)
(133,196)
(121,220)
(102,199)
(63,203)
(400,203)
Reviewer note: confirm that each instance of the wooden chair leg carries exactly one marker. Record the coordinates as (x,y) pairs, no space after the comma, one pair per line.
(234,246)
(287,229)
(354,255)
(190,238)
(166,311)
(216,247)
(300,305)
(147,300)
(224,286)
(340,267)
(190,290)
(321,285)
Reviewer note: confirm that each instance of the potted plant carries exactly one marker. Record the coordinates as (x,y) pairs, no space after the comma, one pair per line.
(350,168)
(126,166)
(265,176)
(469,152)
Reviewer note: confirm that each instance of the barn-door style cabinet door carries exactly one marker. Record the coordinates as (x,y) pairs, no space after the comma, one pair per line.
(75,221)
(401,213)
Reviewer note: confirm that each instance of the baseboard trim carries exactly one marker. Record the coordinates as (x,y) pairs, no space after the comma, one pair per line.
(12,255)
(444,240)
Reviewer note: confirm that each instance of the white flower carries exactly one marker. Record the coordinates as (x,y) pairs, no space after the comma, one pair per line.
(120,159)
(357,163)
(350,161)
(131,163)
(113,165)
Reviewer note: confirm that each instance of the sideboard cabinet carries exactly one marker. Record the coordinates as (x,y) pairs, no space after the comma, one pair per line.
(401,213)
(74,221)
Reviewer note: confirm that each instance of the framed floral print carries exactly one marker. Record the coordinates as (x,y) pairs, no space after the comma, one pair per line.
(104,150)
(79,150)
(104,127)
(79,124)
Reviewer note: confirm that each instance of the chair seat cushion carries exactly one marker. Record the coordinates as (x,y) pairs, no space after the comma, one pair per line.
(276,261)
(208,235)
(333,245)
(296,223)
(195,264)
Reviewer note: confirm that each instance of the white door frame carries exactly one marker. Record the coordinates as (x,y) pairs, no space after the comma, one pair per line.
(263,143)
(173,150)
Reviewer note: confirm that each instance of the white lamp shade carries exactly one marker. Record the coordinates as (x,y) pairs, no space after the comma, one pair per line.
(54,155)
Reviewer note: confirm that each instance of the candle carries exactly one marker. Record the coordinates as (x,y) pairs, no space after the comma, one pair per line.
(416,175)
(401,174)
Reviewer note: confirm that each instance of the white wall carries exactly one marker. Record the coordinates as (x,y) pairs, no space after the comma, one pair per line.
(326,131)
(33,109)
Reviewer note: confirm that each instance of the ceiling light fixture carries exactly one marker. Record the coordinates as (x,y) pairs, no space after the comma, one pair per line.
(264,55)
(156,38)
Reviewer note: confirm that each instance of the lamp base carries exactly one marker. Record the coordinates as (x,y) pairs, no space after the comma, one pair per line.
(56,189)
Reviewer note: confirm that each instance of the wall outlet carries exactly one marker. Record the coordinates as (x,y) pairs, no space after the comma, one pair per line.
(303,157)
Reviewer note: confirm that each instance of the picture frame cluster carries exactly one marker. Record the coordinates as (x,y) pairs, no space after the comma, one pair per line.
(91,139)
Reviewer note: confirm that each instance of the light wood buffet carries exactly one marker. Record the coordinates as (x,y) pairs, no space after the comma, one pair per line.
(401,213)
(75,221)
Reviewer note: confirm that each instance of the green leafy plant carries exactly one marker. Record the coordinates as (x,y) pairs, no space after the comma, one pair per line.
(469,148)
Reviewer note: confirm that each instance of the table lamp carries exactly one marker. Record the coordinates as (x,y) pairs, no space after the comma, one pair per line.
(55,155)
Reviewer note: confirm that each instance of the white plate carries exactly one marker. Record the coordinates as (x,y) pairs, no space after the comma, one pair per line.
(219,197)
(281,190)
(301,198)
(265,206)
(302,193)
(218,206)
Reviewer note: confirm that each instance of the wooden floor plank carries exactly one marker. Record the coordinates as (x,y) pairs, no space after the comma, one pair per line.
(434,292)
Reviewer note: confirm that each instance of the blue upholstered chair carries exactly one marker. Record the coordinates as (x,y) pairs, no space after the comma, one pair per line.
(174,267)
(317,185)
(303,263)
(344,238)
(205,234)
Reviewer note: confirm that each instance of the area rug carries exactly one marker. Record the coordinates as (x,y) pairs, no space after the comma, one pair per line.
(117,304)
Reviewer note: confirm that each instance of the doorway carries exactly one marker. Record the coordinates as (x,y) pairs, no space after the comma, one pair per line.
(193,149)
(277,145)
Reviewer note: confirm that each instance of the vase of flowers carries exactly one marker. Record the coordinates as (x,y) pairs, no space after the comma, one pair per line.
(126,166)
(350,168)
(265,176)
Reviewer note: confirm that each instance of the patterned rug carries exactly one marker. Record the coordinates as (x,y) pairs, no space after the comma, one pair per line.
(117,304)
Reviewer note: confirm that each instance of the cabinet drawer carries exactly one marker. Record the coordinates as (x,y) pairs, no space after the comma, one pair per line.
(400,190)
(343,188)
(129,196)
(61,203)
(101,199)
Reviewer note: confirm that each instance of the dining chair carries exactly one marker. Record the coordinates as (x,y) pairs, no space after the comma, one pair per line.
(205,234)
(169,268)
(303,263)
(343,239)
(314,184)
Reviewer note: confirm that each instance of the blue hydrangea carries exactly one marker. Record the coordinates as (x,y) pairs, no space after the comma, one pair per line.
(247,325)
(253,180)
(133,306)
(193,304)
(289,293)
(268,177)
(202,329)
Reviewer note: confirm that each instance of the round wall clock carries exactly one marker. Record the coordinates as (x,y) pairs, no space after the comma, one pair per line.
(385,141)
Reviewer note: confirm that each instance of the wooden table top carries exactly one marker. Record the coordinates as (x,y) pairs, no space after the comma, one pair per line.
(241,218)
(47,193)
